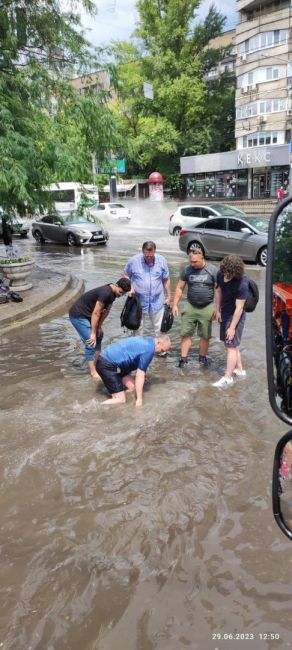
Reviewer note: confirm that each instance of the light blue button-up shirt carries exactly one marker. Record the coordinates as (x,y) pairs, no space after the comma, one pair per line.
(147,281)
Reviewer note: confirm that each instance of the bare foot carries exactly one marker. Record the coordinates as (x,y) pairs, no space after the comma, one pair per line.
(95,376)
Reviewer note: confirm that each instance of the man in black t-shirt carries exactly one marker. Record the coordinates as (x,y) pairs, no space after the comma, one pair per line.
(200,278)
(89,312)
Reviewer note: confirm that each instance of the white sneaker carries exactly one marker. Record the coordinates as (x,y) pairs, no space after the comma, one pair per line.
(239,373)
(224,381)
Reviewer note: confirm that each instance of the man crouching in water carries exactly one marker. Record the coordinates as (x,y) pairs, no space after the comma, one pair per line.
(119,359)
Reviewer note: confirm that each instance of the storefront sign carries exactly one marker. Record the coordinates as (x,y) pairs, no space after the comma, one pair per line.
(255,158)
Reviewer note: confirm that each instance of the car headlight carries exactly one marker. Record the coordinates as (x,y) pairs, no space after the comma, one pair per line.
(83,233)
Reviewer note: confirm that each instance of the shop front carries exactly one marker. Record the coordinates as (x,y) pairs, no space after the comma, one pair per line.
(255,173)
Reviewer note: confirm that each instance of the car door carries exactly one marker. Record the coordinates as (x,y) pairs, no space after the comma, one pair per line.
(240,239)
(51,227)
(214,236)
(58,229)
(45,226)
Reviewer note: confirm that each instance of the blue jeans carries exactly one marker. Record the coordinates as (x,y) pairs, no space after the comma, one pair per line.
(83,327)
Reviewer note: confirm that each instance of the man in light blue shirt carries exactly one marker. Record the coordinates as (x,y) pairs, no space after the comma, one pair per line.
(118,360)
(149,275)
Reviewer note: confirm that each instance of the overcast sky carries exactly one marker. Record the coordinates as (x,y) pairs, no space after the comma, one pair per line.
(116,19)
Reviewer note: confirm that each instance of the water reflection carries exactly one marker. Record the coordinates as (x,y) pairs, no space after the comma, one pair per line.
(137,529)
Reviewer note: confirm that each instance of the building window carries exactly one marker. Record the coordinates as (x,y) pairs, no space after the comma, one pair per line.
(260,108)
(261,75)
(225,184)
(261,139)
(279,176)
(263,40)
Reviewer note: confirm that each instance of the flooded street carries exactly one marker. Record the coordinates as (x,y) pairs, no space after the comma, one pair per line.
(137,529)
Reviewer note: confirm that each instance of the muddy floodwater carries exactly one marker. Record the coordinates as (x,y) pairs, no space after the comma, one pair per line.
(137,529)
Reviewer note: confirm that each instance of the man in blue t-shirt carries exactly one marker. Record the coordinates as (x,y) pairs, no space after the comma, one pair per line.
(119,359)
(230,300)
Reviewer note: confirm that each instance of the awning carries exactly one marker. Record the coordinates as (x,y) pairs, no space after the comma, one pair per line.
(120,188)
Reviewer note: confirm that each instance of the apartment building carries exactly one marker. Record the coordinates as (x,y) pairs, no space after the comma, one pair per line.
(261,161)
(228,63)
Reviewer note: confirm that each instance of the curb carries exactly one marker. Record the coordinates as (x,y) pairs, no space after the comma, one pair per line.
(57,303)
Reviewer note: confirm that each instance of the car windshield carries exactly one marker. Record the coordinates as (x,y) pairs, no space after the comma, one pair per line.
(116,205)
(258,223)
(75,217)
(227,210)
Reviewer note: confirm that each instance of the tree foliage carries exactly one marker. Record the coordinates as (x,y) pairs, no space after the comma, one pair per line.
(48,132)
(187,112)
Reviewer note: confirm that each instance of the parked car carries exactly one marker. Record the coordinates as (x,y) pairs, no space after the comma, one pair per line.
(187,215)
(220,236)
(18,226)
(113,210)
(73,229)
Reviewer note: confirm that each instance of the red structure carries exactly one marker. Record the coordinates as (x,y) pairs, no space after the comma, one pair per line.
(156,181)
(155,177)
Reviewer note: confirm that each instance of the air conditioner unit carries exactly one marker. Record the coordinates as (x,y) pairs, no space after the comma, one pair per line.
(289,111)
(243,56)
(263,119)
(244,90)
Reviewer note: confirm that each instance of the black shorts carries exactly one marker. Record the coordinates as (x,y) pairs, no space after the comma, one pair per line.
(112,375)
(238,333)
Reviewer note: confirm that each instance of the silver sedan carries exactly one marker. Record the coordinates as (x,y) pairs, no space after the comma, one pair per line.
(220,236)
(73,229)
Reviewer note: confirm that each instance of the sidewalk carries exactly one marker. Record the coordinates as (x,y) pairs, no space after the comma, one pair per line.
(52,293)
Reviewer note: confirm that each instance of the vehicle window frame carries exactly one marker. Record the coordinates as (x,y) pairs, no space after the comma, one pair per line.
(242,225)
(48,218)
(190,207)
(209,212)
(208,225)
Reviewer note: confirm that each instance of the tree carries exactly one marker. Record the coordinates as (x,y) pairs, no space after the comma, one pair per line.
(38,43)
(86,131)
(187,112)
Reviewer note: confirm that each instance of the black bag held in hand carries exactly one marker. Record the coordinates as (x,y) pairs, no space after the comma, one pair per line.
(252,296)
(167,319)
(131,313)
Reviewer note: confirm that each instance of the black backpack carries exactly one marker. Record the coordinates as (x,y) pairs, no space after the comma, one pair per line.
(252,296)
(167,319)
(131,313)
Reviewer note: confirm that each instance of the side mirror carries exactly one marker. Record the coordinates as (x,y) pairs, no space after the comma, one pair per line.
(282,484)
(246,229)
(279,311)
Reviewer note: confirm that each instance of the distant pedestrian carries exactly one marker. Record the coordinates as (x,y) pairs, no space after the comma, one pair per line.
(230,300)
(280,193)
(149,275)
(200,277)
(7,238)
(118,360)
(89,312)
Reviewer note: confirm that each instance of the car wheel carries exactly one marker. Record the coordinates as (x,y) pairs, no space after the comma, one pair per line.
(262,256)
(196,244)
(38,237)
(71,239)
(176,231)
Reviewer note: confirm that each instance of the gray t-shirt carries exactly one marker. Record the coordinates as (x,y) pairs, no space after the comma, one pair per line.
(201,284)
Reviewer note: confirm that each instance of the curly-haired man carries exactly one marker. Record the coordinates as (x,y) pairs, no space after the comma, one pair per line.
(230,300)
